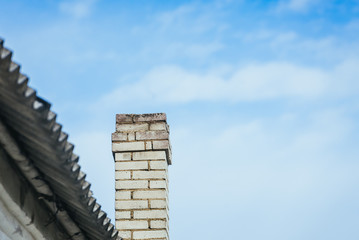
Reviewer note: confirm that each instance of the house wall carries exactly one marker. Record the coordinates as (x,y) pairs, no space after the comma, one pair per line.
(13,221)
(22,214)
(142,153)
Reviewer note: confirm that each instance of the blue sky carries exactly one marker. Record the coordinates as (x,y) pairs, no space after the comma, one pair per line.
(261,96)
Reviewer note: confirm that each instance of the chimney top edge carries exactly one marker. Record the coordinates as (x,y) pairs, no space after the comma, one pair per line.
(147,117)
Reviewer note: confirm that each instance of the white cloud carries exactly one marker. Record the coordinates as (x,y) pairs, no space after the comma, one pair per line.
(191,19)
(292,164)
(77,9)
(255,82)
(170,18)
(307,137)
(295,46)
(353,25)
(273,36)
(172,84)
(258,155)
(197,51)
(295,5)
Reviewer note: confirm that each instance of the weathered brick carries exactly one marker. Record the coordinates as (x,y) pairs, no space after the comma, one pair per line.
(140,165)
(122,195)
(155,194)
(164,144)
(148,135)
(158,126)
(120,175)
(127,146)
(148,145)
(151,117)
(122,156)
(131,136)
(158,203)
(131,127)
(149,175)
(124,118)
(116,136)
(131,184)
(158,224)
(158,184)
(150,155)
(150,234)
(133,224)
(124,234)
(123,215)
(158,164)
(131,204)
(147,214)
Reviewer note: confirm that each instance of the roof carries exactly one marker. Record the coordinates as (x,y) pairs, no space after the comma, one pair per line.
(43,145)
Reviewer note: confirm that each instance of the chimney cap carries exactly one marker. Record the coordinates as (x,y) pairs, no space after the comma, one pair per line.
(147,117)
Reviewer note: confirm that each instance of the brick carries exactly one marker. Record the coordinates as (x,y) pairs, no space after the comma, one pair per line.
(158,126)
(161,145)
(148,214)
(132,127)
(123,215)
(128,146)
(158,184)
(131,165)
(131,184)
(131,136)
(155,194)
(122,195)
(124,118)
(131,204)
(116,136)
(124,234)
(158,204)
(158,164)
(148,135)
(120,175)
(134,224)
(149,234)
(122,156)
(149,175)
(150,155)
(148,146)
(158,224)
(150,117)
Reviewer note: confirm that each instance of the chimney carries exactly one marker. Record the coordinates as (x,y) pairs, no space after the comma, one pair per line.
(142,153)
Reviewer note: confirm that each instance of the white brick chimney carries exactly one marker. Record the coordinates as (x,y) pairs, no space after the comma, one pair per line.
(142,154)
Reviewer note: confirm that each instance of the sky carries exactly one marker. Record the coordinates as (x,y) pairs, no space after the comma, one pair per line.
(262,98)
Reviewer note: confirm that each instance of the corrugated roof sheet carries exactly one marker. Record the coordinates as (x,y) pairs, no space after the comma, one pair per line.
(34,126)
